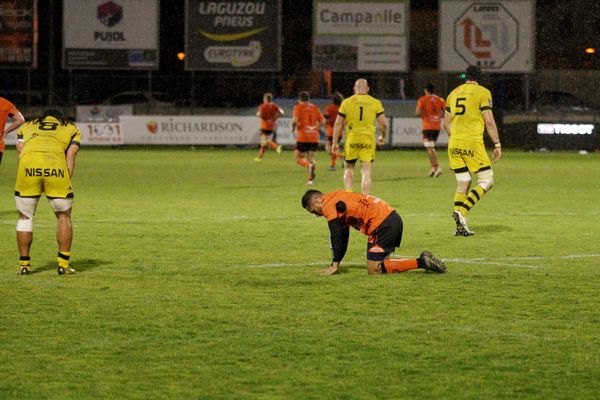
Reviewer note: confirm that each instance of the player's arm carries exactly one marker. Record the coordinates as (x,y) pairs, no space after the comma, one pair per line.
(71,152)
(20,143)
(447,121)
(18,120)
(418,109)
(280,111)
(294,123)
(492,131)
(338,237)
(338,125)
(383,128)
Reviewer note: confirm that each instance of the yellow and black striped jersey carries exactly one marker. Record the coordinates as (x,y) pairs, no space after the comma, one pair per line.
(466,104)
(48,136)
(360,112)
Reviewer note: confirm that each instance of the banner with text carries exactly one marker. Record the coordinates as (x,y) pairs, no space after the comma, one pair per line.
(18,34)
(360,36)
(92,133)
(120,34)
(233,35)
(406,132)
(498,37)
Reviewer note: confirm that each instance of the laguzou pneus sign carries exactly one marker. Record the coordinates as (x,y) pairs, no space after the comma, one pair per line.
(110,34)
(18,33)
(360,36)
(497,36)
(233,35)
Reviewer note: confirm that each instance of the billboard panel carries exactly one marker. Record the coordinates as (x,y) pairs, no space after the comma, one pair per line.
(233,35)
(354,36)
(120,34)
(18,33)
(497,36)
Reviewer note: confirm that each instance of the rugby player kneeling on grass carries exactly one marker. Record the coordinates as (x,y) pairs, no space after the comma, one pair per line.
(47,148)
(373,217)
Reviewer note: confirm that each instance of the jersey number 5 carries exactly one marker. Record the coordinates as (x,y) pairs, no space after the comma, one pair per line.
(460,106)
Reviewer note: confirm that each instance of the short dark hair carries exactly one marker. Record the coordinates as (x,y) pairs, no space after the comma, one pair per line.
(473,73)
(268,96)
(54,114)
(303,96)
(309,197)
(430,88)
(337,98)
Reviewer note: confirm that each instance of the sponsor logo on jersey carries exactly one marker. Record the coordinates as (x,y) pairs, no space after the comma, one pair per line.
(45,172)
(462,152)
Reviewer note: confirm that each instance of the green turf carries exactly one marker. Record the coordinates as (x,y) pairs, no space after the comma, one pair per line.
(198,279)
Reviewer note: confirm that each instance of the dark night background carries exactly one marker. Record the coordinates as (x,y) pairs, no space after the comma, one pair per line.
(564,29)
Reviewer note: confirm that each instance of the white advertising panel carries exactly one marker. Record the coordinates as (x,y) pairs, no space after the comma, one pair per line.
(360,36)
(407,132)
(110,34)
(101,113)
(92,133)
(496,36)
(201,130)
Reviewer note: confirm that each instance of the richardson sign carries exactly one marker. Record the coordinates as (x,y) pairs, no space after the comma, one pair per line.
(204,130)
(233,35)
(497,36)
(109,34)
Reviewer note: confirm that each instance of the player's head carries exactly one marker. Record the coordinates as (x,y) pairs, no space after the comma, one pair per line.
(57,114)
(337,98)
(430,88)
(312,201)
(267,97)
(473,73)
(303,96)
(361,86)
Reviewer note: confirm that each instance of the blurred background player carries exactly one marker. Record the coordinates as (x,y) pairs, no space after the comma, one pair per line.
(268,112)
(431,110)
(307,121)
(331,112)
(47,149)
(357,115)
(8,109)
(468,113)
(373,217)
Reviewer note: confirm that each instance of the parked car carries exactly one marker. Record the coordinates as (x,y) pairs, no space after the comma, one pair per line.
(561,102)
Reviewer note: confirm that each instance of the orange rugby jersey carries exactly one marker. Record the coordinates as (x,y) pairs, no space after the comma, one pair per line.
(363,212)
(6,108)
(269,112)
(331,112)
(431,111)
(309,118)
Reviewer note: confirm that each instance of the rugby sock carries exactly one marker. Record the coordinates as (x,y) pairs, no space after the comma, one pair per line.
(272,144)
(25,261)
(333,159)
(459,203)
(474,196)
(262,151)
(63,258)
(301,161)
(393,265)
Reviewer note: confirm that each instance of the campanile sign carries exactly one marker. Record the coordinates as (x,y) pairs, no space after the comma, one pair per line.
(497,36)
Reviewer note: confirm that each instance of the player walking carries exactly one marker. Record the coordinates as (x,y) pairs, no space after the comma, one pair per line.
(357,115)
(331,113)
(468,113)
(430,108)
(8,109)
(268,112)
(307,121)
(47,149)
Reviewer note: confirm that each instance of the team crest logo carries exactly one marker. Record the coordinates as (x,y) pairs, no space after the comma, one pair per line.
(152,127)
(110,13)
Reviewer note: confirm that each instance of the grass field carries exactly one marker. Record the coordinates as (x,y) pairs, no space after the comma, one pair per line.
(198,280)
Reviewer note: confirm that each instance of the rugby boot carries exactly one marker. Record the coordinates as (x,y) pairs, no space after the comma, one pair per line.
(66,270)
(432,263)
(462,229)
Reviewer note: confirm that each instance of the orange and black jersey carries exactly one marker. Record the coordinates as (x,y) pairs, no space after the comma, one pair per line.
(344,210)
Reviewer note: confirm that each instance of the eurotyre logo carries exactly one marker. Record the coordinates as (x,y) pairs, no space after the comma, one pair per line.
(487,35)
(110,13)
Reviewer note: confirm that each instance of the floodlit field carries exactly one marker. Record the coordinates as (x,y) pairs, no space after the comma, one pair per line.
(198,279)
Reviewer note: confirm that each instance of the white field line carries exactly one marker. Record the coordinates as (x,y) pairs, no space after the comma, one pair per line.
(484,261)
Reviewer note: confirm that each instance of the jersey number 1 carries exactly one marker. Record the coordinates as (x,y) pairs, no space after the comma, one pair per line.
(361,112)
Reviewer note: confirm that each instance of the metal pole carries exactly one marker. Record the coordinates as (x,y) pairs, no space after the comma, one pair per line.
(149,80)
(29,86)
(51,50)
(526,90)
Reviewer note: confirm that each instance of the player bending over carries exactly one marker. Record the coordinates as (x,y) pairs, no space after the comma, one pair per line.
(373,217)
